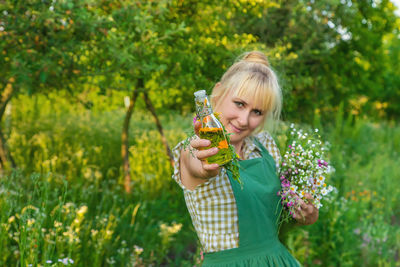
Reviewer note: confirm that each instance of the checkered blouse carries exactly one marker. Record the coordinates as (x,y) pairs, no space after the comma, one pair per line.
(212,205)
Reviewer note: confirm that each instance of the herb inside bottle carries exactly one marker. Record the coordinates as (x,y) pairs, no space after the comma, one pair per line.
(212,129)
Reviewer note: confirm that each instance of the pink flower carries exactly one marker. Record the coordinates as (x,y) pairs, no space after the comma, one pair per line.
(285,183)
(195,118)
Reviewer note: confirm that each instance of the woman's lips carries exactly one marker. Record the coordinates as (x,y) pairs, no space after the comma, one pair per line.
(235,129)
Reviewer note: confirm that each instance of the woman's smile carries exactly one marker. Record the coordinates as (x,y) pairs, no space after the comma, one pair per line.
(236,129)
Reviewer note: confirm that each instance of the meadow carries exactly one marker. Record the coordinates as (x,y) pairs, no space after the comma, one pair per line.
(65,203)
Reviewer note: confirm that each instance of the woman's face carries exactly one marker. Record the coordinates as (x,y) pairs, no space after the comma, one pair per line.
(240,117)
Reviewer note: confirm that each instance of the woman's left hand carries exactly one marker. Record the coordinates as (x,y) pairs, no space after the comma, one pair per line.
(307,212)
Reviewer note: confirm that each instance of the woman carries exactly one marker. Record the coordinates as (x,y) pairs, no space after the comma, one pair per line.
(238,226)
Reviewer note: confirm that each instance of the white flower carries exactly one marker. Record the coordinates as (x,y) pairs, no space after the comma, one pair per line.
(324,191)
(51,8)
(330,169)
(293,188)
(138,250)
(110,261)
(63,22)
(66,261)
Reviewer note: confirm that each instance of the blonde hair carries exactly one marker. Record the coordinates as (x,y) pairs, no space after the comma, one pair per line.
(251,77)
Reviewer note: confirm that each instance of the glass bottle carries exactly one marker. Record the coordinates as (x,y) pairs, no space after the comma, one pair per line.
(211,129)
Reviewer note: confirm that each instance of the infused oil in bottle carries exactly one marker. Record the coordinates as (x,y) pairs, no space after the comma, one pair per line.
(211,129)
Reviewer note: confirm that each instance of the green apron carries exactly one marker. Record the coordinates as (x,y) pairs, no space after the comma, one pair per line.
(258,211)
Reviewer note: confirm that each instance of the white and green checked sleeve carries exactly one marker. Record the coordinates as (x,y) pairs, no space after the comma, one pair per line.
(176,153)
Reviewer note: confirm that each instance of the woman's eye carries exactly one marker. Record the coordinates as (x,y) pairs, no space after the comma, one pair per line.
(258,112)
(239,104)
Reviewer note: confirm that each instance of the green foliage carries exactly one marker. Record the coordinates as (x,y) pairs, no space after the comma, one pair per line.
(325,52)
(44,43)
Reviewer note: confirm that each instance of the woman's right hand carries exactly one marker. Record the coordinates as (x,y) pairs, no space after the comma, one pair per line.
(194,168)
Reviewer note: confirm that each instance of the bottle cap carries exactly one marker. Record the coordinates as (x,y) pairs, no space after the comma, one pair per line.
(200,94)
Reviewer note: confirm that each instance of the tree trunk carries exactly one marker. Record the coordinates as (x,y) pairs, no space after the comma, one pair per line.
(125,138)
(150,107)
(5,156)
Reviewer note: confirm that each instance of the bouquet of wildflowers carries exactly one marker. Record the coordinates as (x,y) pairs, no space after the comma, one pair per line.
(304,169)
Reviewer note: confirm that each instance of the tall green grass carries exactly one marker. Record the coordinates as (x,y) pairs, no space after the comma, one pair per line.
(66,200)
(73,154)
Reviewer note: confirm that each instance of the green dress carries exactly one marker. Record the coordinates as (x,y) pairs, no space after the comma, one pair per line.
(258,211)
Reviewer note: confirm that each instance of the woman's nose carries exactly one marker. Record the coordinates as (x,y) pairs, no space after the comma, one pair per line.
(243,119)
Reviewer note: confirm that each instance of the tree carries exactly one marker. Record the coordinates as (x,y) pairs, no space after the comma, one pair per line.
(43,46)
(325,51)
